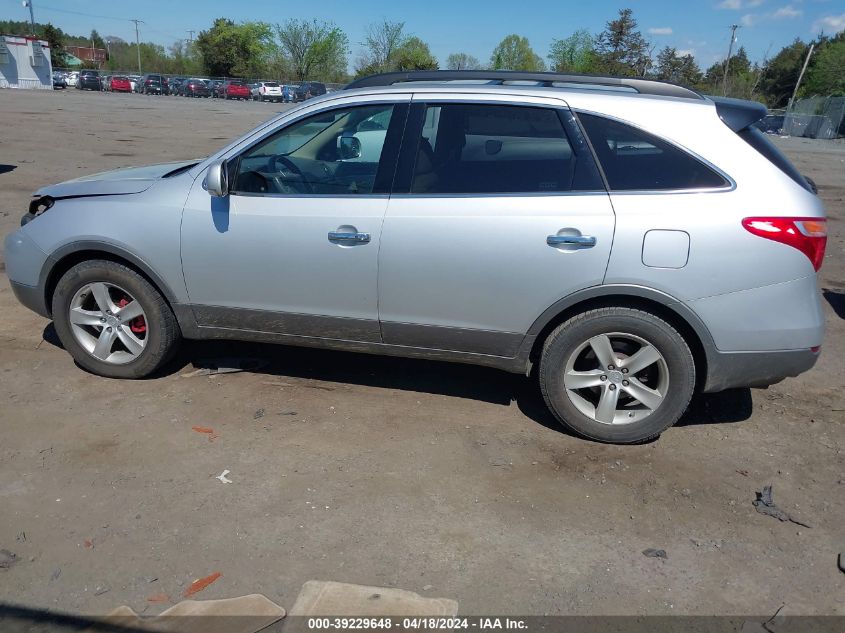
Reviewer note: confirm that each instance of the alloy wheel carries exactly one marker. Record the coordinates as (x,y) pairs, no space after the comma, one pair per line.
(108,322)
(616,378)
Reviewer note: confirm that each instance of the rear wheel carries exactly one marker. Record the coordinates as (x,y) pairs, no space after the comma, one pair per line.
(113,321)
(617,375)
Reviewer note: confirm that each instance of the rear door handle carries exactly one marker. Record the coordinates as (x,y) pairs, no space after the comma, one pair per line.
(578,241)
(343,237)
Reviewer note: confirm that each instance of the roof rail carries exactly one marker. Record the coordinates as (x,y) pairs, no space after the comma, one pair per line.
(642,86)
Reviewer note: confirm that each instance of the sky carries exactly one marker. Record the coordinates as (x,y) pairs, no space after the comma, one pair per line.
(701,27)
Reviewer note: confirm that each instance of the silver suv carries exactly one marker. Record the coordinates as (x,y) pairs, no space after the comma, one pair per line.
(629,240)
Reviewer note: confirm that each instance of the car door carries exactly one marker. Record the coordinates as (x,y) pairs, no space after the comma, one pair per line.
(293,249)
(498,212)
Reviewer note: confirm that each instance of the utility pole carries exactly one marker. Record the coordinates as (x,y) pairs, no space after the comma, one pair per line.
(734,27)
(138,42)
(28,3)
(800,77)
(191,33)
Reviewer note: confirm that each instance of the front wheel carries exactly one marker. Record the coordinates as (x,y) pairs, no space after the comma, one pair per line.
(113,321)
(617,375)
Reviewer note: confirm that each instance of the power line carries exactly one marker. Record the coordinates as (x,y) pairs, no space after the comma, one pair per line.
(87,15)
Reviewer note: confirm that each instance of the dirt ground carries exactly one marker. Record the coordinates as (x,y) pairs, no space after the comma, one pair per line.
(447,480)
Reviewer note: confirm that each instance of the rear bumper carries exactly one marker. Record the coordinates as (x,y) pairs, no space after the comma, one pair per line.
(728,370)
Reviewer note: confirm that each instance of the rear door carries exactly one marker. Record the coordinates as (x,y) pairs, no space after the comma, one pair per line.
(497,212)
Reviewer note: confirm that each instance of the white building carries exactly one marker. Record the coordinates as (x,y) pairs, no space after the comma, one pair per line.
(25,63)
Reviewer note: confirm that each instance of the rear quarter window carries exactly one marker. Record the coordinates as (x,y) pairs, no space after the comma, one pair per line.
(634,160)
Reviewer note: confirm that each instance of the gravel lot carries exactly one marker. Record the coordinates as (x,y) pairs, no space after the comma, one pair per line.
(443,479)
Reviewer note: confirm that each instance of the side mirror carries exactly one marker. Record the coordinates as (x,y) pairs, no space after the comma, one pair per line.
(349,147)
(217,179)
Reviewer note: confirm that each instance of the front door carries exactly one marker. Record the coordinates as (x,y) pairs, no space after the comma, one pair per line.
(503,213)
(293,249)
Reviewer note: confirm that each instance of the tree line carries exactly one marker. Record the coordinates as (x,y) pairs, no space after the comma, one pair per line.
(315,49)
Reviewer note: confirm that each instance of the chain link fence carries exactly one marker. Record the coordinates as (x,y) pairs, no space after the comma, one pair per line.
(816,117)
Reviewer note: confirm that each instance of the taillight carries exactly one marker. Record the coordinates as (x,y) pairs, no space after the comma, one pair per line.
(808,235)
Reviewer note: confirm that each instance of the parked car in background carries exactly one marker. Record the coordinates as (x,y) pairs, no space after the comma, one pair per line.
(308,90)
(214,86)
(151,84)
(195,88)
(288,92)
(120,83)
(133,81)
(59,81)
(233,89)
(268,91)
(71,78)
(174,85)
(88,80)
(105,82)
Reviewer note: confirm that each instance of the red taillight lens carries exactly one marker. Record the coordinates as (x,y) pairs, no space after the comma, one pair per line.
(808,235)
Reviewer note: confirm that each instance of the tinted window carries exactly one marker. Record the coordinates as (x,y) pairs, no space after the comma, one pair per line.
(635,160)
(468,148)
(336,152)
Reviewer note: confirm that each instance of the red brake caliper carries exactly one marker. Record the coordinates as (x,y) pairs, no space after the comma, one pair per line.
(137,325)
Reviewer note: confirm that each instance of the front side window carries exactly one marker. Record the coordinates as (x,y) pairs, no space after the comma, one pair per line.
(334,152)
(485,148)
(634,160)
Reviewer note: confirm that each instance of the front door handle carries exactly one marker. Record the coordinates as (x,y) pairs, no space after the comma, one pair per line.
(578,241)
(344,237)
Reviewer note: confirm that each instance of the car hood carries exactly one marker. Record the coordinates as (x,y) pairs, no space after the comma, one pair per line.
(115,182)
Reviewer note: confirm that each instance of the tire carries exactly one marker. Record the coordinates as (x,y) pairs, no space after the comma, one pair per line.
(161,333)
(569,357)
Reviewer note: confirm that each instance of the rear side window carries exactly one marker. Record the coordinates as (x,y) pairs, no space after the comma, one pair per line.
(483,148)
(634,160)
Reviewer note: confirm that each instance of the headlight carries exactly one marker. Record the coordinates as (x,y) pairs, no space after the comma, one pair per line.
(36,208)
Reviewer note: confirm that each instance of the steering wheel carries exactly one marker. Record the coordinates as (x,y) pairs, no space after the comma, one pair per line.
(288,170)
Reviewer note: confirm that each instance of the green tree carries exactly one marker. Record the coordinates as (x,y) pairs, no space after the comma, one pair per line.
(315,50)
(462,61)
(742,77)
(515,53)
(96,39)
(679,69)
(621,49)
(413,54)
(575,53)
(56,39)
(781,73)
(380,43)
(826,76)
(230,49)
(182,59)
